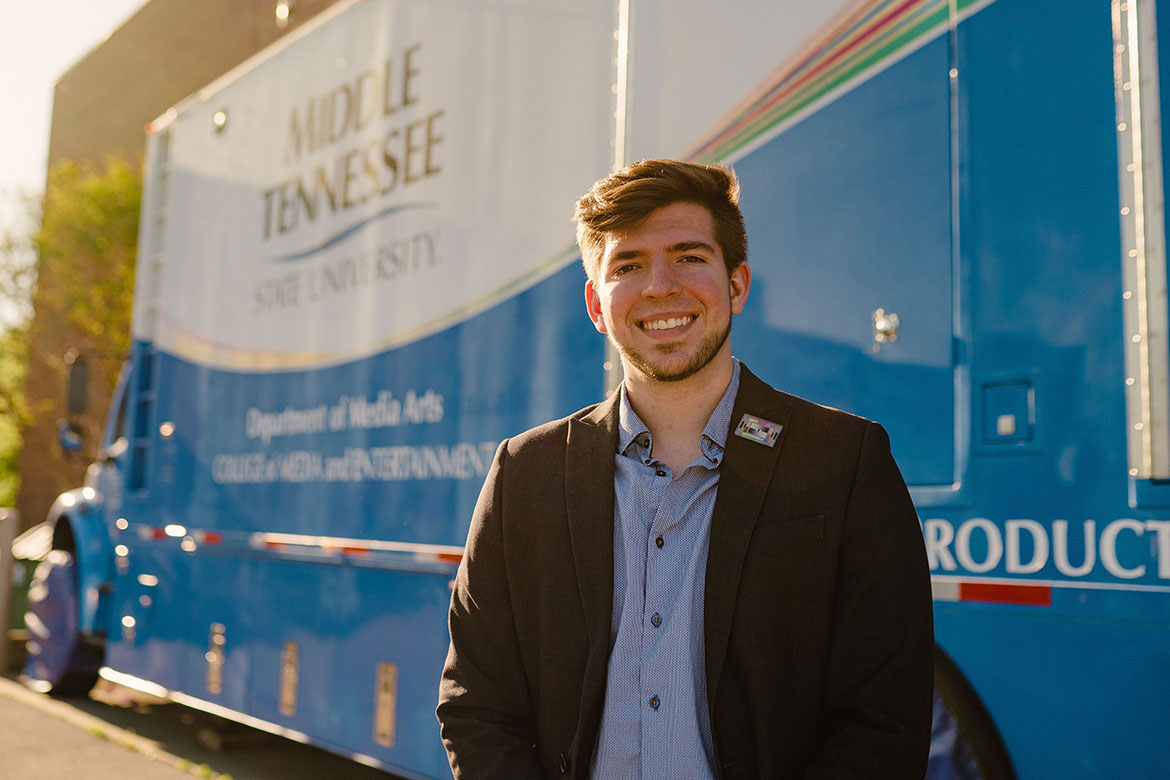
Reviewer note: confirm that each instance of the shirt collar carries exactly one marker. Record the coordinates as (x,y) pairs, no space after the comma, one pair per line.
(634,435)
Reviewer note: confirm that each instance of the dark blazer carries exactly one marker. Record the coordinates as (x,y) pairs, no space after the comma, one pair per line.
(817,614)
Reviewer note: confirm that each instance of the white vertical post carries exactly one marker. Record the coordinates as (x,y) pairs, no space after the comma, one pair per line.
(1144,304)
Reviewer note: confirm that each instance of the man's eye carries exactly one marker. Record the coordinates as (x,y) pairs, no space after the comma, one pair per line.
(621,270)
(693,259)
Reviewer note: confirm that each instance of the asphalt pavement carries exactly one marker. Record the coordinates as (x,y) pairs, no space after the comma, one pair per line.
(116,734)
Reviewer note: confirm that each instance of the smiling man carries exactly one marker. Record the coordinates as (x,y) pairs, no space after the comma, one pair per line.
(701,577)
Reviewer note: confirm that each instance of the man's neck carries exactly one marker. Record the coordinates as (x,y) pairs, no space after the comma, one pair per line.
(676,412)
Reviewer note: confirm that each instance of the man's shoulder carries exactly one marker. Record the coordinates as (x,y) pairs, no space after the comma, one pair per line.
(821,439)
(801,411)
(554,433)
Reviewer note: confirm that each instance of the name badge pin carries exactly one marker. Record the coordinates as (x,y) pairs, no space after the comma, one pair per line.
(758,430)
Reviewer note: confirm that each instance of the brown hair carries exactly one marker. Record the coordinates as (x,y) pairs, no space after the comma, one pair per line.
(626,198)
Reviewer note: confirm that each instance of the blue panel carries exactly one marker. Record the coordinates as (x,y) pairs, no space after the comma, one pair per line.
(1078,689)
(480,372)
(1065,712)
(156,645)
(847,212)
(214,590)
(313,606)
(401,620)
(1041,242)
(529,359)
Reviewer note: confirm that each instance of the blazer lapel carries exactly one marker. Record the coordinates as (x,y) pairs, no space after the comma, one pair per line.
(589,502)
(744,476)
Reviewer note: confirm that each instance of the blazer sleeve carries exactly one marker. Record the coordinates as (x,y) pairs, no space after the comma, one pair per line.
(879,681)
(485,712)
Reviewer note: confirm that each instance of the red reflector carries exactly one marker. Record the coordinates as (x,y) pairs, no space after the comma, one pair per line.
(158,533)
(994,593)
(356,550)
(450,558)
(212,537)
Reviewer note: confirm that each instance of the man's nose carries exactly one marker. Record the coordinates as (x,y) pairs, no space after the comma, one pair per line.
(662,280)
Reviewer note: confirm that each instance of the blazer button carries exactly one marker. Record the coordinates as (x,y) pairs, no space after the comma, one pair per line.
(564,763)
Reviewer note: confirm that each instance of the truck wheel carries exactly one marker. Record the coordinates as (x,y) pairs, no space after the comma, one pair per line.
(60,660)
(964,743)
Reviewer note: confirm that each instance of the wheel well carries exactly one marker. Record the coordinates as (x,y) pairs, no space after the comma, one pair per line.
(971,716)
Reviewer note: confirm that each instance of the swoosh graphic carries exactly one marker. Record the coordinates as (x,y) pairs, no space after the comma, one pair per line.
(344,234)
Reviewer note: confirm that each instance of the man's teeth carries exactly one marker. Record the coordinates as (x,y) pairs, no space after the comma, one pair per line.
(673,322)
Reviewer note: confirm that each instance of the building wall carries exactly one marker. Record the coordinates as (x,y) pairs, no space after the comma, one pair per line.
(167,50)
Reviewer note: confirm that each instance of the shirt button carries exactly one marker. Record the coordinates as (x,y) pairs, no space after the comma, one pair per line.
(659,542)
(656,619)
(654,702)
(661,473)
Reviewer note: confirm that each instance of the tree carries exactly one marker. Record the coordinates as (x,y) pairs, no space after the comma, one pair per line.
(17,272)
(84,244)
(13,414)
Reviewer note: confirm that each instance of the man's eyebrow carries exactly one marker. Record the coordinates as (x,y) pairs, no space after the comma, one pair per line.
(686,246)
(681,246)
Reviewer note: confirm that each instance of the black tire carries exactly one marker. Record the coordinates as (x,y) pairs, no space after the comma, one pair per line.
(965,744)
(60,661)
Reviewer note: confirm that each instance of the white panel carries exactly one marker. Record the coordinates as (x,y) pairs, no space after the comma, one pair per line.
(316,225)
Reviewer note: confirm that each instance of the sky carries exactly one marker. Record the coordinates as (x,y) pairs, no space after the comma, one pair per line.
(39,41)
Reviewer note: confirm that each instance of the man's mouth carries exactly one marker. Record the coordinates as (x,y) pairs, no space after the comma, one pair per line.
(668,323)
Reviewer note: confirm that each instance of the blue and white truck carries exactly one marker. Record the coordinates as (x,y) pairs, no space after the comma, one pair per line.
(356,275)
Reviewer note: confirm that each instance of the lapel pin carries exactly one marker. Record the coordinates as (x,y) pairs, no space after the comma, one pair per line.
(758,430)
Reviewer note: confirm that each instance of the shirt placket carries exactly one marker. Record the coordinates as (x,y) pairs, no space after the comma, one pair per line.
(663,549)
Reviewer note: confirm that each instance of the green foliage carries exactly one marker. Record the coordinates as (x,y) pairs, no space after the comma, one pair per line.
(18,264)
(17,273)
(13,414)
(78,249)
(86,247)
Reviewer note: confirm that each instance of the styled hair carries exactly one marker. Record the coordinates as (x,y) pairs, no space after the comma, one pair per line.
(624,199)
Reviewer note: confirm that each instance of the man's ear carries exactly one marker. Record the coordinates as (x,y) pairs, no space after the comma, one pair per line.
(740,284)
(593,306)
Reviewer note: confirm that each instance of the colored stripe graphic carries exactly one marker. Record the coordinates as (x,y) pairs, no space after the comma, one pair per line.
(992,593)
(995,593)
(860,39)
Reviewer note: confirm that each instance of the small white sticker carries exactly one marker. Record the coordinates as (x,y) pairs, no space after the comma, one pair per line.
(1005,425)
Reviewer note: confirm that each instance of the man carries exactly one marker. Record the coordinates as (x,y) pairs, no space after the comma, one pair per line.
(701,577)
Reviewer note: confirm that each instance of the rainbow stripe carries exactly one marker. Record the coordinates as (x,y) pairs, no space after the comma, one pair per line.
(859,41)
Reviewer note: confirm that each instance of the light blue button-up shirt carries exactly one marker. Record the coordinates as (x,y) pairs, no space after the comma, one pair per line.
(655,723)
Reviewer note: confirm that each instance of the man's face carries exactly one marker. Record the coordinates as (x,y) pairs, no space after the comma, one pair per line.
(663,295)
